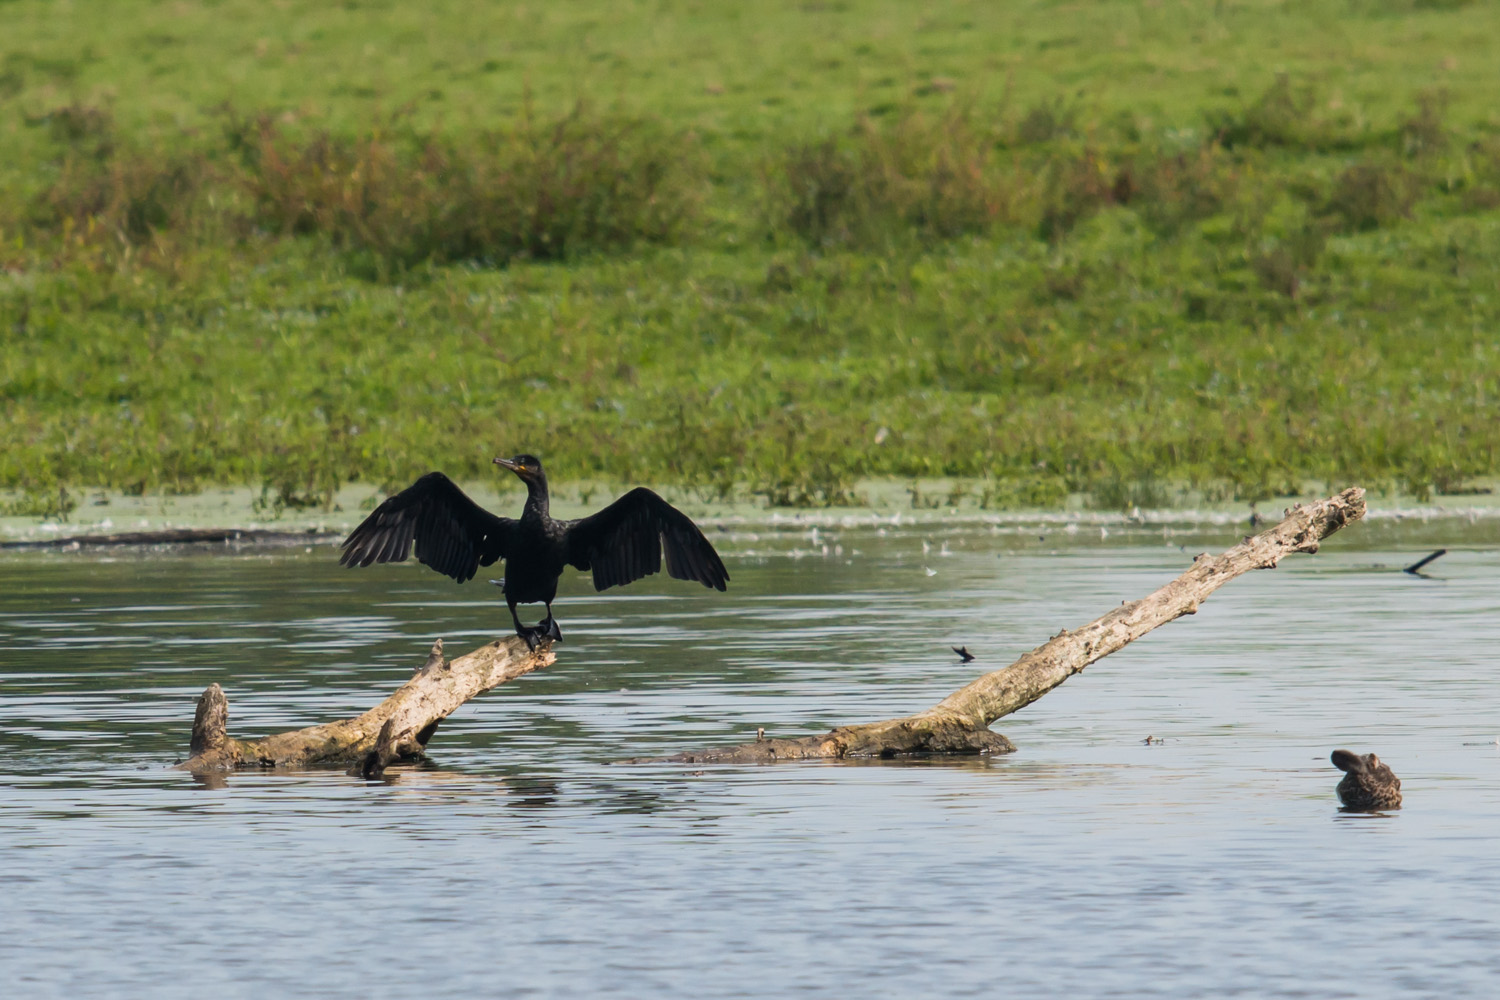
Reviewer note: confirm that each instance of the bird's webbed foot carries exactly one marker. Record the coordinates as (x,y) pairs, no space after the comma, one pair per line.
(535,635)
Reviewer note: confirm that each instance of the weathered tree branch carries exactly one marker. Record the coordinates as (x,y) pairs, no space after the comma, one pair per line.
(398,727)
(959,724)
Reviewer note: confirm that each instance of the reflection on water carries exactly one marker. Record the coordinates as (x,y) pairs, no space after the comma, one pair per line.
(518,861)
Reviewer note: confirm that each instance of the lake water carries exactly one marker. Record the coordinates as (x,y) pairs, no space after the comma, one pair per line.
(521,862)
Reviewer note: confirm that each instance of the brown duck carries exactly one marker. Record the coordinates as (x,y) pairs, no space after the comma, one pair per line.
(1368,784)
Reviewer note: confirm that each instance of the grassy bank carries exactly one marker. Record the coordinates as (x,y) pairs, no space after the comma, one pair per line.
(1100,247)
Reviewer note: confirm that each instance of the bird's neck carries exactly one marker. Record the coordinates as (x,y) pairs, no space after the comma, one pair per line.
(536,500)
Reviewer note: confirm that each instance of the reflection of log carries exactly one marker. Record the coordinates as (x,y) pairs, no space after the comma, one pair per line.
(398,727)
(959,724)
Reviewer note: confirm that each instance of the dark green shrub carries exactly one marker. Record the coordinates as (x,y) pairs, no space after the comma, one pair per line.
(1044,122)
(819,184)
(1175,190)
(1426,131)
(126,198)
(1370,195)
(48,502)
(539,190)
(1284,116)
(1282,263)
(1077,187)
(936,176)
(1281,116)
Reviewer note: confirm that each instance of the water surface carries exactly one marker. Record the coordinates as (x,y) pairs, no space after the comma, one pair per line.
(519,861)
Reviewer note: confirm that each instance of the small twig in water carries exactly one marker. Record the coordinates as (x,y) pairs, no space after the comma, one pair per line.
(1416,567)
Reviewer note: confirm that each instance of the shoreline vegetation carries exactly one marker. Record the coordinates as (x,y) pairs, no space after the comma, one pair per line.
(1047,273)
(885,504)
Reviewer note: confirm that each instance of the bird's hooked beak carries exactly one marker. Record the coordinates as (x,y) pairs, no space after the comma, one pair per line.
(513,466)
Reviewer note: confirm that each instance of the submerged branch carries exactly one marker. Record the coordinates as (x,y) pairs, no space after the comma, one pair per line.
(959,724)
(398,727)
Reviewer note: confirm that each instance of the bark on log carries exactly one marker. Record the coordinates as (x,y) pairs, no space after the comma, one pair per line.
(959,724)
(398,727)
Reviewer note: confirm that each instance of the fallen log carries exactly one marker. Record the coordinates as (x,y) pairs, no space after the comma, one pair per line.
(959,724)
(178,536)
(399,727)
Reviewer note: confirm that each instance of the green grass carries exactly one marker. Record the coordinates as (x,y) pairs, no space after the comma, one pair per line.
(771,250)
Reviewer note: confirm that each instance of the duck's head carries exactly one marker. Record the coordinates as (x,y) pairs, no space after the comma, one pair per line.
(1353,763)
(1363,766)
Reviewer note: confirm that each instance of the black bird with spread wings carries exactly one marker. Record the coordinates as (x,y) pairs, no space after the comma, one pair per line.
(455,536)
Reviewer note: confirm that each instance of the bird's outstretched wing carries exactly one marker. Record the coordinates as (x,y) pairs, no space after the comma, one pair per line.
(454,535)
(624,542)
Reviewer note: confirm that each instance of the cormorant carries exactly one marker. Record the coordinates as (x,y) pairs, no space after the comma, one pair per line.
(455,536)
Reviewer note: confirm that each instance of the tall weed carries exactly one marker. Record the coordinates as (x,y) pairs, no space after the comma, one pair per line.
(937,177)
(540,190)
